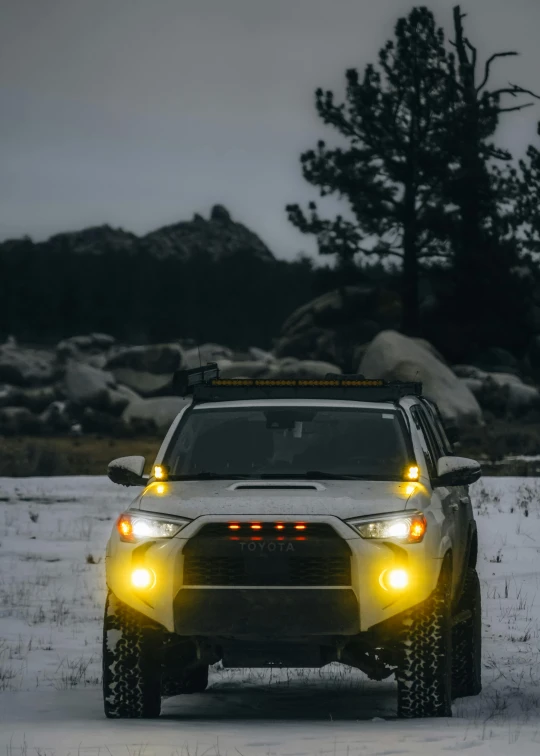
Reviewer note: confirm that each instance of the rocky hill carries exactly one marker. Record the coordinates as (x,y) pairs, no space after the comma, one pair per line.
(219,235)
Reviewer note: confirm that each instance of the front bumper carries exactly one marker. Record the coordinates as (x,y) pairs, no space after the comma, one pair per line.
(267,611)
(250,613)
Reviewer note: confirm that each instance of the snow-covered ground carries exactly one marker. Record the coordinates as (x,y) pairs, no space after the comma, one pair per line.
(52,537)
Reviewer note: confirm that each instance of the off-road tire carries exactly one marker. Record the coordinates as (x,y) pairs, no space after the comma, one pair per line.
(424,674)
(467,641)
(195,680)
(131,663)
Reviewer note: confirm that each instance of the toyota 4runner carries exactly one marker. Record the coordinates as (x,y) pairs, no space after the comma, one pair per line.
(295,523)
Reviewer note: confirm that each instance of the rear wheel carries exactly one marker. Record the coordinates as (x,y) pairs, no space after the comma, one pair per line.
(425,670)
(467,640)
(131,663)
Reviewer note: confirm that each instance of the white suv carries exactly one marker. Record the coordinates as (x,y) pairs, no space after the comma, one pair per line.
(295,523)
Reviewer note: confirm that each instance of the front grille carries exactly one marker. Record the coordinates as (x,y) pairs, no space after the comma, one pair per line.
(215,556)
(299,571)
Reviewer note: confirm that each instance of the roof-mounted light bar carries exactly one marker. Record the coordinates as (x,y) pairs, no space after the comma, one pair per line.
(206,386)
(295,382)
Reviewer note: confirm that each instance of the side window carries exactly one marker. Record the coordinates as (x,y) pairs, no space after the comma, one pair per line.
(435,439)
(430,452)
(438,428)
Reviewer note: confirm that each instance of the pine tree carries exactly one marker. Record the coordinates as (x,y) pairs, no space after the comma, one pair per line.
(527,196)
(393,166)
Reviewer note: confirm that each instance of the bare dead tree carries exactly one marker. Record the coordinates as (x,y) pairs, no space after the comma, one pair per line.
(474,190)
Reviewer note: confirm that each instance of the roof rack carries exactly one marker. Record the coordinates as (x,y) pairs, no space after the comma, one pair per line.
(205,385)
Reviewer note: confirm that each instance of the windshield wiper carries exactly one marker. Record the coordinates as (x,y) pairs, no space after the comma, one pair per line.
(323,475)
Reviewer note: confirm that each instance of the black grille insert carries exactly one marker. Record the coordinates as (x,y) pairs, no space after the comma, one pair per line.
(316,556)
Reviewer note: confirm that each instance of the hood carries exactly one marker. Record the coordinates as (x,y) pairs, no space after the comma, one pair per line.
(344,499)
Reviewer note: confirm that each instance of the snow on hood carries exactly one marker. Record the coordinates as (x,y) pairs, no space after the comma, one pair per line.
(343,499)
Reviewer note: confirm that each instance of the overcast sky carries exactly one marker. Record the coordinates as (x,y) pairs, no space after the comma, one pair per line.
(138,113)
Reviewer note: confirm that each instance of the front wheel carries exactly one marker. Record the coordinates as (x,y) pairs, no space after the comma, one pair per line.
(425,670)
(131,663)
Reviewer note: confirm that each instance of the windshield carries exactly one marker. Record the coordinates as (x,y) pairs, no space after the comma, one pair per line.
(289,442)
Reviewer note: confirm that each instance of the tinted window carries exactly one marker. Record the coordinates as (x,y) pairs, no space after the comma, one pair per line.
(427,441)
(429,427)
(290,442)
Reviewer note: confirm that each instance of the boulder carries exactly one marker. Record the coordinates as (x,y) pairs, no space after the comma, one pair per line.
(16,421)
(469,371)
(147,370)
(57,417)
(153,415)
(473,384)
(9,395)
(76,346)
(88,386)
(522,398)
(22,366)
(330,327)
(130,395)
(292,368)
(38,399)
(497,360)
(392,356)
(260,355)
(197,356)
(427,345)
(91,349)
(116,401)
(501,393)
(159,359)
(142,383)
(96,421)
(247,369)
(507,394)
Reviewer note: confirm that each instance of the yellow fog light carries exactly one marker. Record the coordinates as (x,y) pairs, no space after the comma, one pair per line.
(142,578)
(396,580)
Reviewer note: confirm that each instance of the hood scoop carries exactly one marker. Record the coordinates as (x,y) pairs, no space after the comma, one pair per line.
(273,485)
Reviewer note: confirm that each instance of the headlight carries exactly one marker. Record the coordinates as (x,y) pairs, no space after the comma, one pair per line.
(135,527)
(410,528)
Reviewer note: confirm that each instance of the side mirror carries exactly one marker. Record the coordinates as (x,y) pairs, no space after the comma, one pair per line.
(457,471)
(127,471)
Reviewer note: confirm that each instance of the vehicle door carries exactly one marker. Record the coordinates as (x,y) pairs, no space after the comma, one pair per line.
(463,512)
(447,495)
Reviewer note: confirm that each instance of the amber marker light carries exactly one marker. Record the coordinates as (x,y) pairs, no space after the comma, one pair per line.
(125,527)
(418,528)
(279,526)
(256,526)
(233,526)
(412,473)
(160,472)
(299,526)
